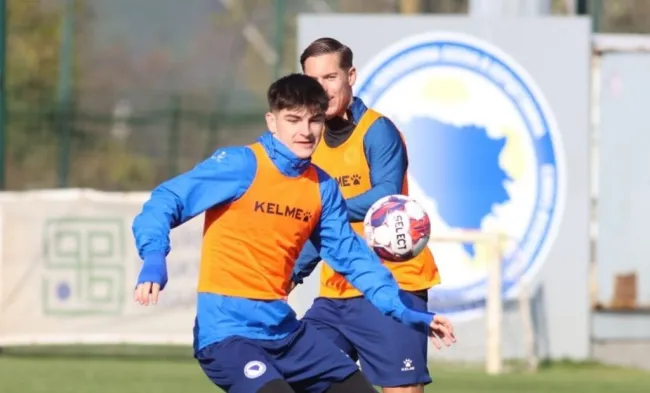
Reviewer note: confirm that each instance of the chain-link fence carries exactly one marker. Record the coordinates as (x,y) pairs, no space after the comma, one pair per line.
(121,94)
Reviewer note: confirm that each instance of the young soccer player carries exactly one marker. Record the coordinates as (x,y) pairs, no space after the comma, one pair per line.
(262,202)
(365,151)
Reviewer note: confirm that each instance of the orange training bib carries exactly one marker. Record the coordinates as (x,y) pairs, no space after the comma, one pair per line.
(347,164)
(250,245)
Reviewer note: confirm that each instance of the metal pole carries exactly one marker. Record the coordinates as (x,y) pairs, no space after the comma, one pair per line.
(174,136)
(3,92)
(280,10)
(581,7)
(66,55)
(596,15)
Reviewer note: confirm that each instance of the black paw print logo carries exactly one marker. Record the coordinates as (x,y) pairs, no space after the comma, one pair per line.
(356,179)
(306,217)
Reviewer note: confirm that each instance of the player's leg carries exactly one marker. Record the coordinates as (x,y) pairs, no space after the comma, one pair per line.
(392,355)
(239,365)
(355,383)
(325,316)
(419,388)
(312,363)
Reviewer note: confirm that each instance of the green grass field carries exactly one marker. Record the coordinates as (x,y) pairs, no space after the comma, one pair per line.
(161,370)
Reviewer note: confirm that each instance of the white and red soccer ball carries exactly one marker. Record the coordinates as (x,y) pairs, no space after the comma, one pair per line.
(397,228)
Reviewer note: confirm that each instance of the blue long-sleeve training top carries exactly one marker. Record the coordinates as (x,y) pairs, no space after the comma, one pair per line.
(388,161)
(223,178)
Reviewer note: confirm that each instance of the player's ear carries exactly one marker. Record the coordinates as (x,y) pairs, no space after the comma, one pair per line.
(352,76)
(270,122)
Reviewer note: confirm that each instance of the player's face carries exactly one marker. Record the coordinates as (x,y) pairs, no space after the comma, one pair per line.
(299,129)
(336,81)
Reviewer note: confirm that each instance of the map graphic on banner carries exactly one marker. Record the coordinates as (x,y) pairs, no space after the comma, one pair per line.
(484,154)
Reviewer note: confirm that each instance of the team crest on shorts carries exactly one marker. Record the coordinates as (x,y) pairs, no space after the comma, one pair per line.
(485,154)
(254,369)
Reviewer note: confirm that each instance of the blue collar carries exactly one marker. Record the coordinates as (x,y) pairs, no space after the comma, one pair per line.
(287,162)
(357,109)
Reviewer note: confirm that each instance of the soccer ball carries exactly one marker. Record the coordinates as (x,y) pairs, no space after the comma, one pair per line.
(397,228)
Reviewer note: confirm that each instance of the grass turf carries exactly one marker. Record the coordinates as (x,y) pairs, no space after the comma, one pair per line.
(161,370)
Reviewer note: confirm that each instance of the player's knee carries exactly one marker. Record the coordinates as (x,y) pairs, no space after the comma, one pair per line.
(418,388)
(276,386)
(355,383)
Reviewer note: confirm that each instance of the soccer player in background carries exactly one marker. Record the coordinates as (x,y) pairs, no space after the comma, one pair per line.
(365,152)
(262,202)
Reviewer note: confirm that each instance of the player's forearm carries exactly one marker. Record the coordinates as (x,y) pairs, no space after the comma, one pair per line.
(385,296)
(378,286)
(151,230)
(152,226)
(299,274)
(389,302)
(306,263)
(363,269)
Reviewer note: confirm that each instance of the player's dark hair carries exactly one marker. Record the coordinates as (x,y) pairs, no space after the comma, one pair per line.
(296,91)
(327,45)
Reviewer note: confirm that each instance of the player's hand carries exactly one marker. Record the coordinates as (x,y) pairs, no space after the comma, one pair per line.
(152,280)
(290,287)
(441,332)
(147,292)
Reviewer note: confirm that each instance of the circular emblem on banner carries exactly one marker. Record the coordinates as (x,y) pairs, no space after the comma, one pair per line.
(485,155)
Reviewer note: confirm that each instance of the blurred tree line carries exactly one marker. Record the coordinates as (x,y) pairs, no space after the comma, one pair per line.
(44,135)
(103,108)
(138,114)
(32,67)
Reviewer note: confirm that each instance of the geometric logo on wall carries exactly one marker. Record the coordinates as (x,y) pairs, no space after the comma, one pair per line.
(84,266)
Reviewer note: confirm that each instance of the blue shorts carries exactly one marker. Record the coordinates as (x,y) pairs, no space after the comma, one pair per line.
(306,359)
(391,354)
